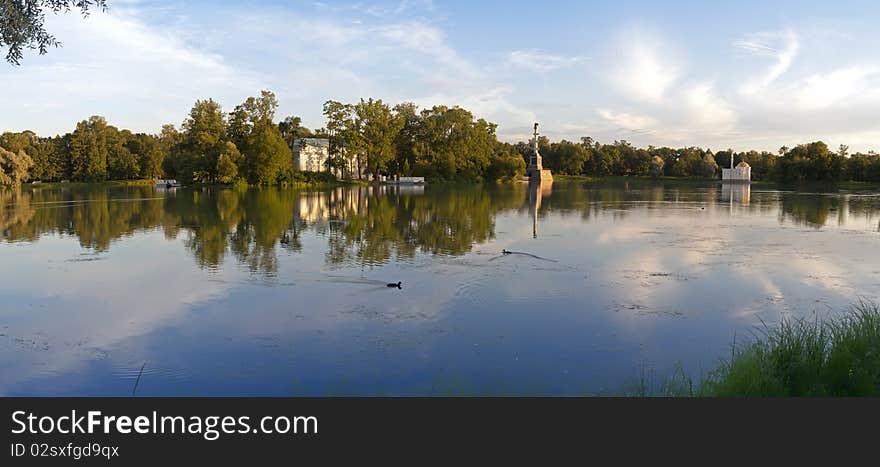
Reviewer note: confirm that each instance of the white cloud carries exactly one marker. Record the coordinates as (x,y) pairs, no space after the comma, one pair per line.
(629,122)
(825,90)
(643,72)
(782,46)
(707,111)
(535,60)
(114,65)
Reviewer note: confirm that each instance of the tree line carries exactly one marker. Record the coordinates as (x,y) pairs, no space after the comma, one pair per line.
(811,162)
(247,145)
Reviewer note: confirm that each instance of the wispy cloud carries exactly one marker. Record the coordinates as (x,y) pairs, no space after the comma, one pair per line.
(628,122)
(540,62)
(781,46)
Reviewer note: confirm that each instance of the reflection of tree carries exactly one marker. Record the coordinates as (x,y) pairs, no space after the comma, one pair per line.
(362,225)
(16,215)
(812,210)
(268,214)
(88,214)
(208,216)
(446,219)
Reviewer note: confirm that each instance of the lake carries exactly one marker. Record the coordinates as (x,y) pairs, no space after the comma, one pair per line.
(190,292)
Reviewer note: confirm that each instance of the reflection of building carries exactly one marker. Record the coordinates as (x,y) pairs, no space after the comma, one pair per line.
(536,192)
(313,207)
(736,193)
(742,173)
(311,154)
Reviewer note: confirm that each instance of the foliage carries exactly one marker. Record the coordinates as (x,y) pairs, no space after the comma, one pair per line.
(835,357)
(566,157)
(13,167)
(371,136)
(22,24)
(89,150)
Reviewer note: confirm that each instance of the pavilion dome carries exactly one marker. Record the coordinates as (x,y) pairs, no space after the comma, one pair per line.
(743,164)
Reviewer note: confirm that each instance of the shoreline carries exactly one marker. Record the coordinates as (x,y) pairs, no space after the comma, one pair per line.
(642,180)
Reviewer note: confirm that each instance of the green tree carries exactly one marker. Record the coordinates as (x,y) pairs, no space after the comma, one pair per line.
(13,167)
(22,24)
(227,163)
(709,167)
(122,164)
(265,153)
(378,127)
(566,157)
(204,136)
(88,150)
(657,164)
(291,130)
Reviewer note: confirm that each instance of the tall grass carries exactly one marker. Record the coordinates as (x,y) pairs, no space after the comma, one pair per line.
(800,357)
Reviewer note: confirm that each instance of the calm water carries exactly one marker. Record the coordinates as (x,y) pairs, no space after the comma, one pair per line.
(273,292)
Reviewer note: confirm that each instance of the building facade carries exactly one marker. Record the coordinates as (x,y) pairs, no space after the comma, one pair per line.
(311,154)
(742,173)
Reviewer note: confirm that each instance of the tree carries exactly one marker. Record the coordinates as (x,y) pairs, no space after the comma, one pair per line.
(265,153)
(22,24)
(149,153)
(452,145)
(227,163)
(122,164)
(378,127)
(291,130)
(13,167)
(505,164)
(709,167)
(657,164)
(809,162)
(204,136)
(566,157)
(346,140)
(88,150)
(405,140)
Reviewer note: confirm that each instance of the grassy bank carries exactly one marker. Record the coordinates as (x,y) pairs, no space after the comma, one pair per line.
(634,179)
(798,358)
(109,183)
(804,186)
(297,183)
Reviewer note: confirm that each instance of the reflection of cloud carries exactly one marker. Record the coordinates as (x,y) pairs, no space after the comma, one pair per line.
(91,306)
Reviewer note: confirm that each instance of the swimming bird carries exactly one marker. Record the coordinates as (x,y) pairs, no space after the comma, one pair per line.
(398,285)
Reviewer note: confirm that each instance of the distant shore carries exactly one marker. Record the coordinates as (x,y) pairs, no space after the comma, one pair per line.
(646,180)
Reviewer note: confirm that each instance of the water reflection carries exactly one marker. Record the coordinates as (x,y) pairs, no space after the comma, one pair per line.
(368,225)
(537,192)
(740,193)
(238,292)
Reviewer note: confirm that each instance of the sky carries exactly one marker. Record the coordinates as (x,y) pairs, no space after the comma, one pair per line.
(742,75)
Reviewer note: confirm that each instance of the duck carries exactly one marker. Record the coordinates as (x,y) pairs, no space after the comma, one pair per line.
(399,285)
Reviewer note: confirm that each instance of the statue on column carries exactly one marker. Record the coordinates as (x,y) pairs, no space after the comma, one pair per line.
(535,170)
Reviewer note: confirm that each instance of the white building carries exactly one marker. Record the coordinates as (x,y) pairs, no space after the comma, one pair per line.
(742,173)
(311,154)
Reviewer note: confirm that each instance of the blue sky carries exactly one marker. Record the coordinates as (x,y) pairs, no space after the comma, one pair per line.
(747,74)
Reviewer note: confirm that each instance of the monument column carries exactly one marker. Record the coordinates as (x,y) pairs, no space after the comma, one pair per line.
(535,170)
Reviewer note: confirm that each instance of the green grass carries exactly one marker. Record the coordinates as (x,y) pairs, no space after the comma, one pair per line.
(624,178)
(107,183)
(799,358)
